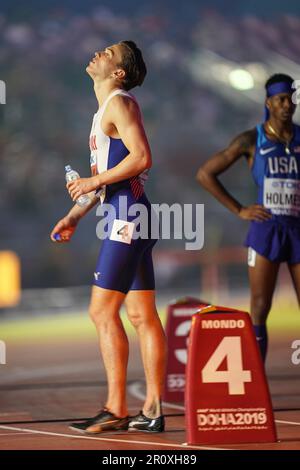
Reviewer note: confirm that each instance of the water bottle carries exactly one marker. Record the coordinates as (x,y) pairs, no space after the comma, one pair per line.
(72,175)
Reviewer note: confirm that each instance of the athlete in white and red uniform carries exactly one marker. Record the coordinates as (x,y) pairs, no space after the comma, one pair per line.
(107,152)
(120,159)
(119,256)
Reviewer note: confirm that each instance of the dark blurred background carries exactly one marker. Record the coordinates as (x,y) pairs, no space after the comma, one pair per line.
(207,64)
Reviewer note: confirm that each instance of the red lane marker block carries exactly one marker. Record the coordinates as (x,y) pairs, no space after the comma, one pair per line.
(179,320)
(227,395)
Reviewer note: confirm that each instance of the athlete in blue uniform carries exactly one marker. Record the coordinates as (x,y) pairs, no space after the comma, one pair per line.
(120,159)
(272,150)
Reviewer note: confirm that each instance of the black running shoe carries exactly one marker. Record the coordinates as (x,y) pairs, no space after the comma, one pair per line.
(140,422)
(102,422)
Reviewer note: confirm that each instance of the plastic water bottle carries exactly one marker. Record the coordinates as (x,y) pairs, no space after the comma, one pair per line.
(72,175)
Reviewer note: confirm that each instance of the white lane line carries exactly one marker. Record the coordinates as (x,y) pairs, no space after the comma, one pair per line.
(135,391)
(105,439)
(13,433)
(286,422)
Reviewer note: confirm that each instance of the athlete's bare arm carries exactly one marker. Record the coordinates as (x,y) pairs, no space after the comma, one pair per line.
(66,226)
(242,146)
(122,120)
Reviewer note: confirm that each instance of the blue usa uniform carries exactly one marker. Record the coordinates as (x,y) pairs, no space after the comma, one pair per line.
(125,259)
(276,172)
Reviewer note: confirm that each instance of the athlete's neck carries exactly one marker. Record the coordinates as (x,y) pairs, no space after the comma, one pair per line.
(280,127)
(104,89)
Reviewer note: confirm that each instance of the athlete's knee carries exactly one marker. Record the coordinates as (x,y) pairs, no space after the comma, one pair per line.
(135,316)
(95,313)
(100,314)
(260,307)
(142,317)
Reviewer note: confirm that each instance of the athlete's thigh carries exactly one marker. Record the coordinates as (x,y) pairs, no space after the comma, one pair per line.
(262,276)
(295,274)
(116,265)
(105,300)
(140,300)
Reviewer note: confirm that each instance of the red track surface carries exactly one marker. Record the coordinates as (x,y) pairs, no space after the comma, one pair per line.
(43,387)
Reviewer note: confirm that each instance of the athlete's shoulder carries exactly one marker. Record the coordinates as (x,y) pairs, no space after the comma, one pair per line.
(124,99)
(123,104)
(245,142)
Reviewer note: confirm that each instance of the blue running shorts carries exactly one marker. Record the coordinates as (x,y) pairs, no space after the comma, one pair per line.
(277,239)
(124,262)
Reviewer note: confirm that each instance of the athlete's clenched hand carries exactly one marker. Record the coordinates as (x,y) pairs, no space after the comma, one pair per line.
(82,186)
(63,230)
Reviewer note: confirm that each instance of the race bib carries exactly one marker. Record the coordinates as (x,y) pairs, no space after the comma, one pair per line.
(122,231)
(282,196)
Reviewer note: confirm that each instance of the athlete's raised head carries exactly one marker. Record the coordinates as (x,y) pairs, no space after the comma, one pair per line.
(279,91)
(121,64)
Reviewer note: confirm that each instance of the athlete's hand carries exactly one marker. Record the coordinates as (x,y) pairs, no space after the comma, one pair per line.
(254,212)
(82,186)
(64,230)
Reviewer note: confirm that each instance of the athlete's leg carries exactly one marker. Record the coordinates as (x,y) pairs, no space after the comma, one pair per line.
(142,313)
(262,278)
(295,274)
(104,311)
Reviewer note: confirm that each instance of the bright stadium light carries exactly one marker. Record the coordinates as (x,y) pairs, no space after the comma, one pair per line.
(241,79)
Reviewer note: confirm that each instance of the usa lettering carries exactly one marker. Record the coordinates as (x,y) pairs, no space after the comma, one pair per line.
(282,165)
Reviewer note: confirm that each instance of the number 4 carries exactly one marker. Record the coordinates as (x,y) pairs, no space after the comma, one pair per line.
(234,376)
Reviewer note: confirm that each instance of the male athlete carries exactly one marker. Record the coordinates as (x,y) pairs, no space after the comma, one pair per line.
(272,150)
(120,158)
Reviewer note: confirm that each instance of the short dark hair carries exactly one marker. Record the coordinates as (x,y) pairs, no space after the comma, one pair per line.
(279,77)
(133,65)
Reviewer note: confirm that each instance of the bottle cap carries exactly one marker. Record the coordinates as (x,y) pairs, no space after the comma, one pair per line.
(57,236)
